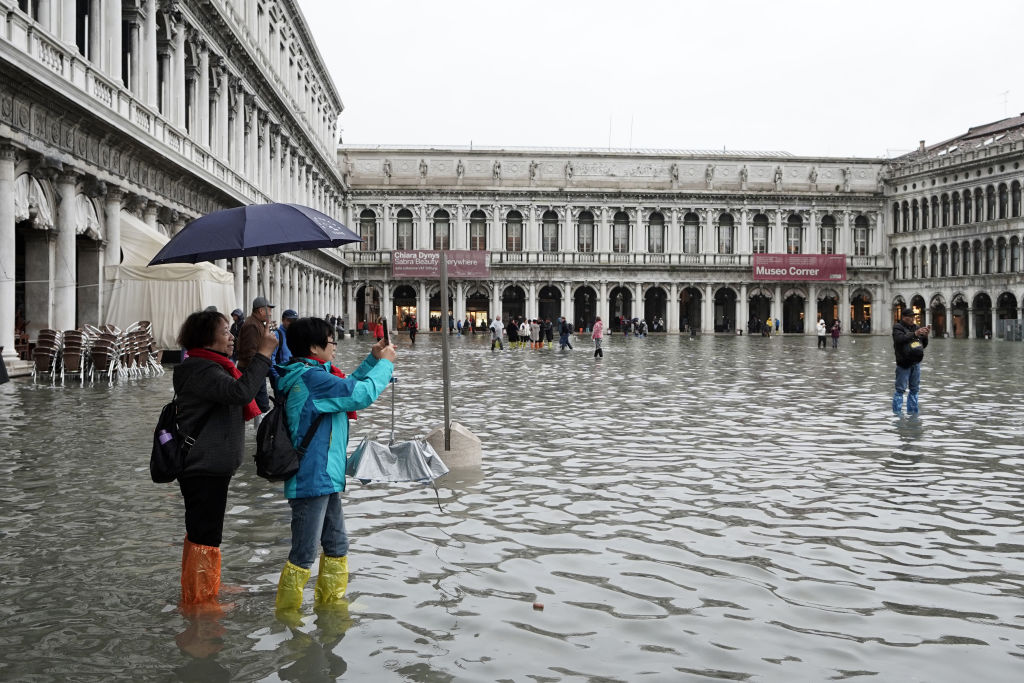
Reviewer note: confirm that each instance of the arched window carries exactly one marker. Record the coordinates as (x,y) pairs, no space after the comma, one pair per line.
(656,233)
(935,212)
(549,231)
(933,258)
(827,235)
(1015,199)
(478,231)
(896,273)
(944,260)
(913,263)
(1014,255)
(585,232)
(1001,255)
(896,227)
(861,235)
(794,234)
(979,205)
(990,203)
(691,233)
(368,230)
(915,212)
(990,256)
(956,208)
(968,208)
(403,230)
(1004,200)
(954,259)
(905,223)
(976,250)
(442,230)
(514,231)
(924,213)
(726,227)
(945,210)
(759,234)
(903,263)
(620,233)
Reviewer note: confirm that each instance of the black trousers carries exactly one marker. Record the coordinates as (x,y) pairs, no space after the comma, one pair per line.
(206,501)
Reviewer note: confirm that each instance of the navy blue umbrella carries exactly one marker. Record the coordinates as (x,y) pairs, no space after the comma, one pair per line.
(254,230)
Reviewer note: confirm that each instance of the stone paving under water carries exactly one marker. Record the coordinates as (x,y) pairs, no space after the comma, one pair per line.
(722,507)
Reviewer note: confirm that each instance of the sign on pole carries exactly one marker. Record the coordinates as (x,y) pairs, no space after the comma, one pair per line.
(426,264)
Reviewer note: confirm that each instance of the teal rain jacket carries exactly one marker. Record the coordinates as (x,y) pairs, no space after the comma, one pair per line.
(312,390)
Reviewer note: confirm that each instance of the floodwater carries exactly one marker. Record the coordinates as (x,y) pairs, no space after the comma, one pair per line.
(720,508)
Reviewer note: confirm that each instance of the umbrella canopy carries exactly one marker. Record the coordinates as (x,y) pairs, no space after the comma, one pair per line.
(406,461)
(254,230)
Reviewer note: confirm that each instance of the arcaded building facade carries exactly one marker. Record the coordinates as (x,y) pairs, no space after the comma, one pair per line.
(956,229)
(655,234)
(155,111)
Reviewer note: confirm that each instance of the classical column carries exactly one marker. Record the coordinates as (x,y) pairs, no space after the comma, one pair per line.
(708,243)
(68,11)
(177,91)
(149,52)
(776,306)
(672,306)
(8,157)
(845,319)
(494,304)
(565,241)
(530,241)
(112,38)
(423,307)
(277,289)
(65,268)
(846,239)
(778,241)
(531,302)
(672,243)
(422,232)
(459,307)
(203,97)
(743,238)
(238,130)
(707,323)
(811,308)
(94,46)
(112,232)
(603,238)
(743,314)
(638,299)
(602,303)
(311,303)
(265,283)
(135,59)
(812,240)
(150,213)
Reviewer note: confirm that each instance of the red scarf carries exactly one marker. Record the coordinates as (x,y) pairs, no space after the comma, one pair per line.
(251,410)
(337,373)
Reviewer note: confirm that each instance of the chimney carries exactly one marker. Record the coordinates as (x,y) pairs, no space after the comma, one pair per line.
(920,147)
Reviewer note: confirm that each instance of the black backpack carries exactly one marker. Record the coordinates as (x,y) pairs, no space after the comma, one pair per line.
(277,459)
(170,447)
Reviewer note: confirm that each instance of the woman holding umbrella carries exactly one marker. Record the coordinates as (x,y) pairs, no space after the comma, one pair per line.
(315,387)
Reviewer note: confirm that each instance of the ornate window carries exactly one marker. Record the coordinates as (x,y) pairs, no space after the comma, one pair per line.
(368,230)
(403,230)
(1014,255)
(860,236)
(954,259)
(759,235)
(442,230)
(478,231)
(549,231)
(913,263)
(794,234)
(514,231)
(726,226)
(656,233)
(827,235)
(620,233)
(585,232)
(691,233)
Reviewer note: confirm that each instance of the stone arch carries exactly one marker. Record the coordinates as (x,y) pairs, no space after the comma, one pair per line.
(585,300)
(655,305)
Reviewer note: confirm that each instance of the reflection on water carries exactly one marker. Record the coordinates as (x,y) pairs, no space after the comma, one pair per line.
(739,508)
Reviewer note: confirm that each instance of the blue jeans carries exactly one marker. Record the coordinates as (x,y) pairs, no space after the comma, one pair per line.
(906,377)
(314,519)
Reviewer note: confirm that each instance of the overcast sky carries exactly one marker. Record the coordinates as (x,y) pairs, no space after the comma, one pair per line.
(866,78)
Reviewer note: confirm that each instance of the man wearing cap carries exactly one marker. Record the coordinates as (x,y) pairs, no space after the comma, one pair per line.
(282,354)
(909,342)
(248,340)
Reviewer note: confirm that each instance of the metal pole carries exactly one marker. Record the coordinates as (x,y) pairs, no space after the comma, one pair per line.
(444,351)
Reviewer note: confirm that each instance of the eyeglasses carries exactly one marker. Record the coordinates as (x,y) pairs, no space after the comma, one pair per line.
(333,342)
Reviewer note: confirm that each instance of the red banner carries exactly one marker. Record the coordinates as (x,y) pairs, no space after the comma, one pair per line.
(426,264)
(799,267)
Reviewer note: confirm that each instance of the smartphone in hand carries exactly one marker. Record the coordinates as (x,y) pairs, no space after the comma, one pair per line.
(387,337)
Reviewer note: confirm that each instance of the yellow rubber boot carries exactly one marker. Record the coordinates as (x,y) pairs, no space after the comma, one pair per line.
(333,580)
(289,587)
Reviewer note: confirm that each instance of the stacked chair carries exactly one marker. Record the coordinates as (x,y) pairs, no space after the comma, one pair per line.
(73,355)
(105,356)
(46,355)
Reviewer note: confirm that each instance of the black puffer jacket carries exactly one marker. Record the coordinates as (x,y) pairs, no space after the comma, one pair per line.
(202,385)
(902,336)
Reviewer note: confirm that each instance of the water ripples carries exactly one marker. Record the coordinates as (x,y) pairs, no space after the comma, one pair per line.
(717,508)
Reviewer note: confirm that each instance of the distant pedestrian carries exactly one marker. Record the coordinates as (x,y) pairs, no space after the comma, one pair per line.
(378,329)
(564,330)
(598,335)
(548,329)
(909,342)
(835,334)
(524,333)
(535,334)
(513,334)
(496,329)
(413,326)
(776,326)
(821,333)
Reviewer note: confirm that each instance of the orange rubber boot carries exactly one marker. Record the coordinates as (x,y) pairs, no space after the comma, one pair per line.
(200,573)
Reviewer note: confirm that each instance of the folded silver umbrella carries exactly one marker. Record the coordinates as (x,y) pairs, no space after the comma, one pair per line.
(414,460)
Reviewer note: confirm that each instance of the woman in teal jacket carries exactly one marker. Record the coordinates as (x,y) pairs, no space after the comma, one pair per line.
(313,386)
